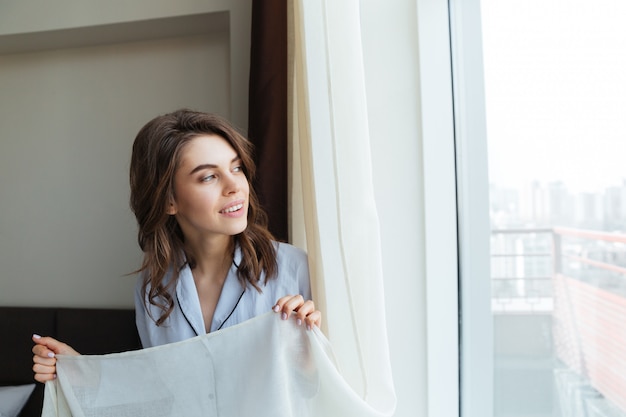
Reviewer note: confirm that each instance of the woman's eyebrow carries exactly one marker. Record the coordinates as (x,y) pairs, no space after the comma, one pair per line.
(211,166)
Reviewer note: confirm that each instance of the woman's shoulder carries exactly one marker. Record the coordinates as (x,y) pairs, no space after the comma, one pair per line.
(293,270)
(291,261)
(289,254)
(142,279)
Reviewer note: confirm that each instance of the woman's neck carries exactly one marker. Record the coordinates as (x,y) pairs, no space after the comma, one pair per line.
(212,258)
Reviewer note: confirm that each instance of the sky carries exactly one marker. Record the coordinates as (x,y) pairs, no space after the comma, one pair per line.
(555,86)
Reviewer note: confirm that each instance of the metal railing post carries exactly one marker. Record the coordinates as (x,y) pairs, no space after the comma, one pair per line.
(557,258)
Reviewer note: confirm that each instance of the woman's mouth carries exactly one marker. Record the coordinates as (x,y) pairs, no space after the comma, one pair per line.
(232,209)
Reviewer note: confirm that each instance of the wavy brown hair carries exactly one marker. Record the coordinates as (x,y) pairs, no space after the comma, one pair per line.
(155,158)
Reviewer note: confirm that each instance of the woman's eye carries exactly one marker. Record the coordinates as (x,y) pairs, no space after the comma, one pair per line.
(237,169)
(208,177)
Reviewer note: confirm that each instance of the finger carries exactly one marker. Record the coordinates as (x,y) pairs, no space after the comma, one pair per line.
(43,352)
(44,360)
(313,319)
(45,377)
(52,345)
(44,373)
(43,369)
(291,305)
(281,302)
(304,310)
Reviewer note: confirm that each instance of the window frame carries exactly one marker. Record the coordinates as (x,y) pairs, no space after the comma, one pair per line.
(440,214)
(459,322)
(476,321)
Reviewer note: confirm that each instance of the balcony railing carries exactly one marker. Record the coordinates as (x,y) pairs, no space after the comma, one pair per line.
(522,269)
(524,262)
(577,280)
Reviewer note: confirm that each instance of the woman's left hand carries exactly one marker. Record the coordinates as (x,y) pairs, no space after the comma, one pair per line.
(303,309)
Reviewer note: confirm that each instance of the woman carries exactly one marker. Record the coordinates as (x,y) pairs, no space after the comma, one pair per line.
(209,260)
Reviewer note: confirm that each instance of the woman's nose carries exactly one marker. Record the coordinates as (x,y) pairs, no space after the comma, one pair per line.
(231,185)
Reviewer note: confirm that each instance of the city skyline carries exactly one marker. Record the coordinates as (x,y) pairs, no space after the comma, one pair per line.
(549,204)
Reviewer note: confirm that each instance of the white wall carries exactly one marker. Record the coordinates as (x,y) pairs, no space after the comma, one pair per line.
(21,21)
(69,113)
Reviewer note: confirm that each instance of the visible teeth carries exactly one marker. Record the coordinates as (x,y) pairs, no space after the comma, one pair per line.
(233,208)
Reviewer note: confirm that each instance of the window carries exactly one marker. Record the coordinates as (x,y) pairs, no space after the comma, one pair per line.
(554,105)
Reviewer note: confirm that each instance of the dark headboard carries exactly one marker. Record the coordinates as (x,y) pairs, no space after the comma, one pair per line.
(89,331)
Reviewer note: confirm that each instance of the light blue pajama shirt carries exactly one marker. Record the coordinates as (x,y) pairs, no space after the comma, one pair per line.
(186,319)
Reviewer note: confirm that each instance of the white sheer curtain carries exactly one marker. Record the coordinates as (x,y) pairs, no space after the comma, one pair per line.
(332,191)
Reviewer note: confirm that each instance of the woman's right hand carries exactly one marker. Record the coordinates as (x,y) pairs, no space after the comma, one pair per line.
(44,359)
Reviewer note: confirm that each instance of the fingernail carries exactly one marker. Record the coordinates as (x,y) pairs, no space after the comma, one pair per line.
(308,327)
(36,336)
(276,308)
(299,322)
(51,354)
(284,316)
(54,376)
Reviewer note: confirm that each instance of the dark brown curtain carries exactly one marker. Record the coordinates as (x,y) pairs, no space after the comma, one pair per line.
(267,120)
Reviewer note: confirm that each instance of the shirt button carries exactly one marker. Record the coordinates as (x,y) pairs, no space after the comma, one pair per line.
(211,396)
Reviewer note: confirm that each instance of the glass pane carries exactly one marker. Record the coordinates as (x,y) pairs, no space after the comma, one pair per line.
(555,80)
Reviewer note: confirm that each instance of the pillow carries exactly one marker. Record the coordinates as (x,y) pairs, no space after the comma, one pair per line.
(13,399)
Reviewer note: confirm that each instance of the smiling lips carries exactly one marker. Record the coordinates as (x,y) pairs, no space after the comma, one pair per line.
(232,209)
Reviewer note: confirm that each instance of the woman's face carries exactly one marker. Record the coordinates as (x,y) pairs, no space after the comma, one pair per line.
(210,189)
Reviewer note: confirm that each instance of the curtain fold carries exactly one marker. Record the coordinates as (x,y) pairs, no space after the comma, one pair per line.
(332,191)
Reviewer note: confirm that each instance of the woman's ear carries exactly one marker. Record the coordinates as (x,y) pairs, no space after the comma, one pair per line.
(171,208)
